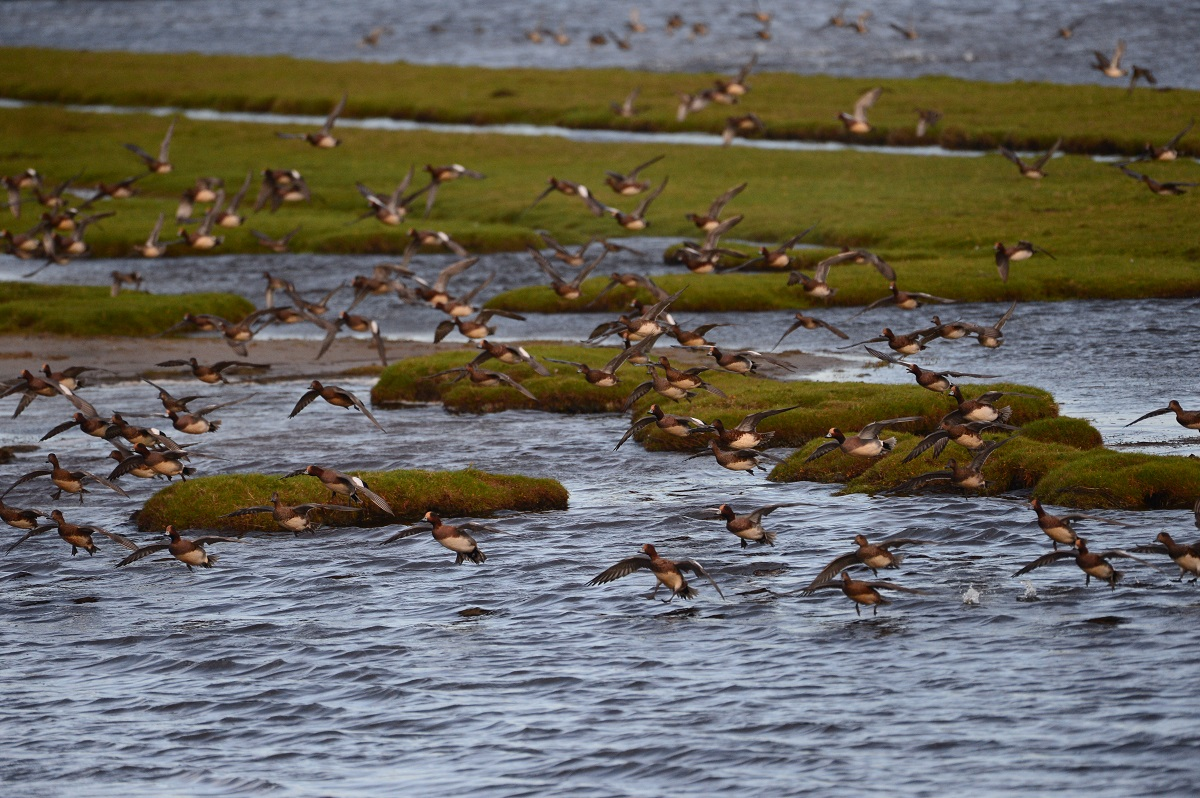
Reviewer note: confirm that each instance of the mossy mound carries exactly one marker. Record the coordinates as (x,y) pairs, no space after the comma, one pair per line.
(565,391)
(200,503)
(822,405)
(82,311)
(1105,478)
(1058,459)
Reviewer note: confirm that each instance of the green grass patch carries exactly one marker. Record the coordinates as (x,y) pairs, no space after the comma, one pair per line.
(933,219)
(1105,478)
(978,114)
(1059,459)
(565,391)
(199,503)
(81,311)
(821,404)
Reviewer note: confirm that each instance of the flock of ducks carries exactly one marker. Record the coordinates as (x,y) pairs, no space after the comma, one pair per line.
(151,453)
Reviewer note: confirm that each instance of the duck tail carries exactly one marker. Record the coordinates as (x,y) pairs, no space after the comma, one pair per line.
(213,426)
(768,538)
(477,557)
(688,592)
(212,558)
(888,444)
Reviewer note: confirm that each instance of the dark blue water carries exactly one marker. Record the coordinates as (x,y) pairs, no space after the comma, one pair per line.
(1001,41)
(329,665)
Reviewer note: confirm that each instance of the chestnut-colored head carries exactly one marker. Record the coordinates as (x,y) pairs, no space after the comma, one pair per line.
(860,540)
(649,550)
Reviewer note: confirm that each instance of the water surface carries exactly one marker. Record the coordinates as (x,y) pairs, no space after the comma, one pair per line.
(332,665)
(999,41)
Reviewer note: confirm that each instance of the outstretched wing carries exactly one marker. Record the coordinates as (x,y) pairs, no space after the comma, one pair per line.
(644,205)
(1046,559)
(750,422)
(875,427)
(334,114)
(866,101)
(835,567)
(144,551)
(164,149)
(35,531)
(1151,414)
(929,440)
(698,570)
(250,511)
(114,537)
(362,408)
(374,498)
(510,382)
(304,402)
(110,485)
(921,481)
(714,210)
(637,425)
(1012,156)
(894,586)
(1040,162)
(407,532)
(822,450)
(623,568)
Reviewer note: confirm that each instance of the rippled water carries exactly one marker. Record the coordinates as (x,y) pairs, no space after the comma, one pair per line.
(1001,40)
(328,665)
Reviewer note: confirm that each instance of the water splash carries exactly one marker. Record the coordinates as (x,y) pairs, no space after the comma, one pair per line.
(972,596)
(1030,593)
